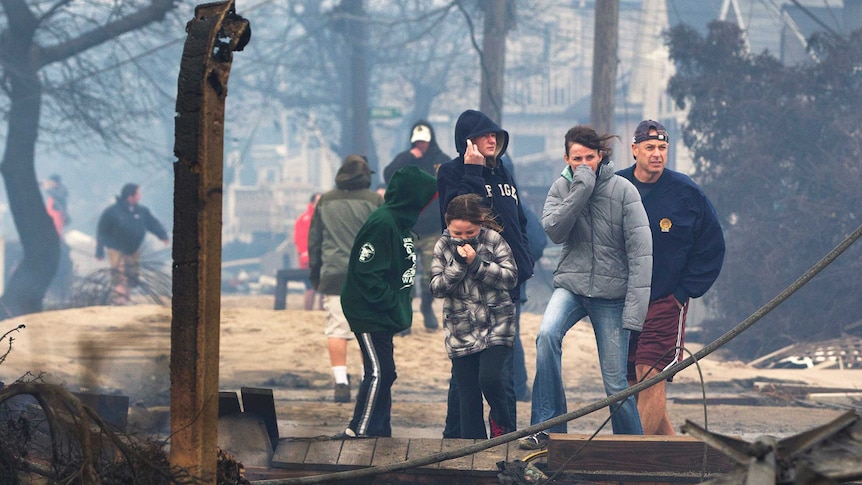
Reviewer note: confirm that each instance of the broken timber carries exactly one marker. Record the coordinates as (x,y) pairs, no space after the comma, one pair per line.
(213,34)
(826,454)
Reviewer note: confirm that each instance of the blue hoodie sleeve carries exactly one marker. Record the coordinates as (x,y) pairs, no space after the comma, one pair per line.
(706,258)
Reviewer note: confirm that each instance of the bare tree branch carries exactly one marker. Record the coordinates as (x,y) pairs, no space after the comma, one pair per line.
(155,12)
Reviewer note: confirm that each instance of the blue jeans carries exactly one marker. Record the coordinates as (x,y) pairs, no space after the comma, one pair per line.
(564,310)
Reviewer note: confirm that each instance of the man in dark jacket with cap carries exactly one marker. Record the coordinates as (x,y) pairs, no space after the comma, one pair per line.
(688,252)
(478,169)
(426,154)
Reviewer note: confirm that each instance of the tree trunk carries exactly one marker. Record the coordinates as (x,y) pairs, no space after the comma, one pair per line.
(39,239)
(493,60)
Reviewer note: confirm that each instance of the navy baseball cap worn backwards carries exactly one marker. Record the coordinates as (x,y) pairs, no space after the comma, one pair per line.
(642,132)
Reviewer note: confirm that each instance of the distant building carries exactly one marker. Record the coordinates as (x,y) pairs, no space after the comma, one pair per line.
(270,181)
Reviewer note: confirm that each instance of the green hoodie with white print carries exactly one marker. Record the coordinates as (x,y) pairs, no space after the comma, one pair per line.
(378,292)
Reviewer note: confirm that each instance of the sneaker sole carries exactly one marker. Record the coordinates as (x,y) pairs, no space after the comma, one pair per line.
(532,445)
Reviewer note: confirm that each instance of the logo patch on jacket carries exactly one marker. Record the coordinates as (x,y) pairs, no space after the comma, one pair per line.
(366,252)
(665,224)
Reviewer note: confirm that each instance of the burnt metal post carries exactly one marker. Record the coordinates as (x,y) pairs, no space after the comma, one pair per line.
(213,34)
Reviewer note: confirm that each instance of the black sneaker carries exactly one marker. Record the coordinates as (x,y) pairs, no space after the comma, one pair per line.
(342,392)
(536,441)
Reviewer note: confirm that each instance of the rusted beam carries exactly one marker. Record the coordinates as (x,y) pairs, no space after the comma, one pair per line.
(213,34)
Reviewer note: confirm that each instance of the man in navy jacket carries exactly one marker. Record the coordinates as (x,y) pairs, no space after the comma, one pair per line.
(688,251)
(121,229)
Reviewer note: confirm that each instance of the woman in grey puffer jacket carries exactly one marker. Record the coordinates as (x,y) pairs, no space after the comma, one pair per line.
(607,247)
(604,272)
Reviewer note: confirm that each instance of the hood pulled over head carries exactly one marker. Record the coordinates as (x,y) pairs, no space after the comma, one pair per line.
(408,192)
(354,173)
(474,123)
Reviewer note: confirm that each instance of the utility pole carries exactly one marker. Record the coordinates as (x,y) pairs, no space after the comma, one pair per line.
(604,65)
(356,133)
(493,59)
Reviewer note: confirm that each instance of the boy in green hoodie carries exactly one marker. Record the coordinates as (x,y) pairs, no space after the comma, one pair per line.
(377,294)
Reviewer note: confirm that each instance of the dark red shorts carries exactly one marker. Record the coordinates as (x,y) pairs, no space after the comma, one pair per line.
(660,343)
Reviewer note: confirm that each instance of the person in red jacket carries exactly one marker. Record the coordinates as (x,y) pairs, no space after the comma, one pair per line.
(300,240)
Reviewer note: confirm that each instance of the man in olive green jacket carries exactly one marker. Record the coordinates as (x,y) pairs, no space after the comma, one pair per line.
(338,216)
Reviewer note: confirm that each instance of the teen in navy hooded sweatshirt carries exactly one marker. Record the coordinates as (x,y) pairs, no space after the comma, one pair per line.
(477,133)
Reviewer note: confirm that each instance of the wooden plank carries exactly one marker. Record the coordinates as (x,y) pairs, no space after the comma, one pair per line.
(290,461)
(357,452)
(290,452)
(254,473)
(420,447)
(486,460)
(390,450)
(462,463)
(325,452)
(633,454)
(760,360)
(798,389)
